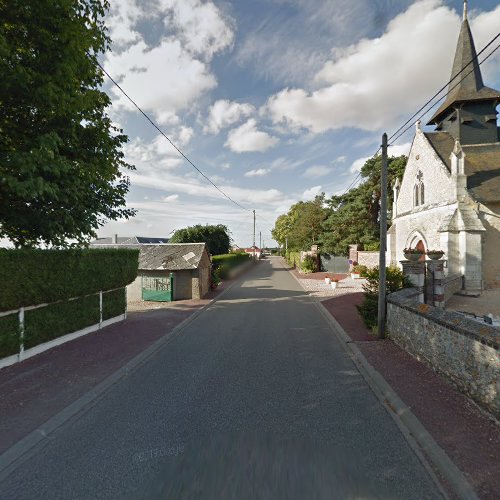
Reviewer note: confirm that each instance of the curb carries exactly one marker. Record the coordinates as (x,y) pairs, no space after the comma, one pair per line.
(25,448)
(419,439)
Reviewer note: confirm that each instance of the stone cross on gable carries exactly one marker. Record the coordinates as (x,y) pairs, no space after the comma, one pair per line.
(420,176)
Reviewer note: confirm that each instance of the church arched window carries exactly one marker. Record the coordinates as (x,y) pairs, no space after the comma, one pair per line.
(418,190)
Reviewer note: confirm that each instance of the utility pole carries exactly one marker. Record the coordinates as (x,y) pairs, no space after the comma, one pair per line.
(254,235)
(260,240)
(383,241)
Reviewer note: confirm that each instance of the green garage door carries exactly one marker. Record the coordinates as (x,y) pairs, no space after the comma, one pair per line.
(158,288)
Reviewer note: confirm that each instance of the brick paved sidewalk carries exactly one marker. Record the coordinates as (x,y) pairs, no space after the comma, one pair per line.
(465,433)
(33,391)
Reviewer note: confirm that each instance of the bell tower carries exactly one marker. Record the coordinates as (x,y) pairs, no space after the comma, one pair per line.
(469,111)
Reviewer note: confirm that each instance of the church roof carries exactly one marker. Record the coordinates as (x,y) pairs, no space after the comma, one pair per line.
(482,165)
(466,81)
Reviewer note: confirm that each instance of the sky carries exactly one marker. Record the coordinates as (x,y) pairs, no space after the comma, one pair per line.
(274,100)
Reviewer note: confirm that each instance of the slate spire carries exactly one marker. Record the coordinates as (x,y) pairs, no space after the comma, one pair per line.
(466,80)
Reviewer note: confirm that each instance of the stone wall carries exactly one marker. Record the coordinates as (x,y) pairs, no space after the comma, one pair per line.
(464,350)
(368,259)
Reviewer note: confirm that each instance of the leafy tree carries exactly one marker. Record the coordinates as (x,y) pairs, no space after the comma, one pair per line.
(354,216)
(217,237)
(302,225)
(60,155)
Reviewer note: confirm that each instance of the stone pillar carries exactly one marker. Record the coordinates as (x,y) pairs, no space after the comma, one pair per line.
(416,274)
(353,255)
(436,268)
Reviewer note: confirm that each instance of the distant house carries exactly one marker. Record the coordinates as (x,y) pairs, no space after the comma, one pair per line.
(129,240)
(254,250)
(189,264)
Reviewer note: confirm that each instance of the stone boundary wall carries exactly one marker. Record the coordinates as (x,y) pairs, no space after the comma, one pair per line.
(368,259)
(464,350)
(452,284)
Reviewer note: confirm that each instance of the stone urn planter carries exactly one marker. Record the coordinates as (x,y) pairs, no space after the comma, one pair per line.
(413,256)
(355,276)
(327,280)
(334,284)
(434,255)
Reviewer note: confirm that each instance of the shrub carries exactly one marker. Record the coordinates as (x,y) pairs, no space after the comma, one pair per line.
(33,276)
(309,264)
(395,280)
(230,260)
(361,269)
(293,258)
(372,247)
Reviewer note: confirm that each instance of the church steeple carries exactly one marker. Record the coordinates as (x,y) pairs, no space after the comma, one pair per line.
(469,103)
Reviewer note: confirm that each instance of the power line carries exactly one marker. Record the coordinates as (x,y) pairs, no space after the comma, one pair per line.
(168,139)
(446,85)
(440,99)
(433,104)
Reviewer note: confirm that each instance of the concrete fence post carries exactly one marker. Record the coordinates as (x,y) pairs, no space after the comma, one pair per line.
(436,268)
(100,309)
(416,274)
(21,334)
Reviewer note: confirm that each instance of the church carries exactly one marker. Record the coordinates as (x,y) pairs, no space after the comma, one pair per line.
(449,197)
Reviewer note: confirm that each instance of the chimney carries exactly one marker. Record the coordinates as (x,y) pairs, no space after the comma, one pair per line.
(115,239)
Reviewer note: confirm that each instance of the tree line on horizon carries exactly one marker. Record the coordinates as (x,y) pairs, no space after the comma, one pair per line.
(336,222)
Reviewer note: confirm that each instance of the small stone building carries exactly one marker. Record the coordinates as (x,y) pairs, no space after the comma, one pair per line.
(449,198)
(189,263)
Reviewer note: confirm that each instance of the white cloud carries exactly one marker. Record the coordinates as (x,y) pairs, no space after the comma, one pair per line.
(171,198)
(167,76)
(358,164)
(376,82)
(247,138)
(202,27)
(310,193)
(317,171)
(169,79)
(399,149)
(340,159)
(259,172)
(224,113)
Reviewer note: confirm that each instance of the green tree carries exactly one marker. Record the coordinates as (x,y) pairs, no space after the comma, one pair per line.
(60,155)
(217,237)
(302,225)
(354,216)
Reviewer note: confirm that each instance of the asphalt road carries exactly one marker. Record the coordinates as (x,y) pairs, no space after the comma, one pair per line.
(255,399)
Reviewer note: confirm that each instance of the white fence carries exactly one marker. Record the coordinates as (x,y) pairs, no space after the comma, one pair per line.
(23,353)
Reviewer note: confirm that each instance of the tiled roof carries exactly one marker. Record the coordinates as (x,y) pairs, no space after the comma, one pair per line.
(171,257)
(482,165)
(129,240)
(168,256)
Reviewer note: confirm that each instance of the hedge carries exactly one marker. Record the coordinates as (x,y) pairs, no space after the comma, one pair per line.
(230,259)
(52,321)
(55,320)
(113,303)
(9,335)
(34,276)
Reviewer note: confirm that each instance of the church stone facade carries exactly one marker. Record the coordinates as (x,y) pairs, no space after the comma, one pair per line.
(449,197)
